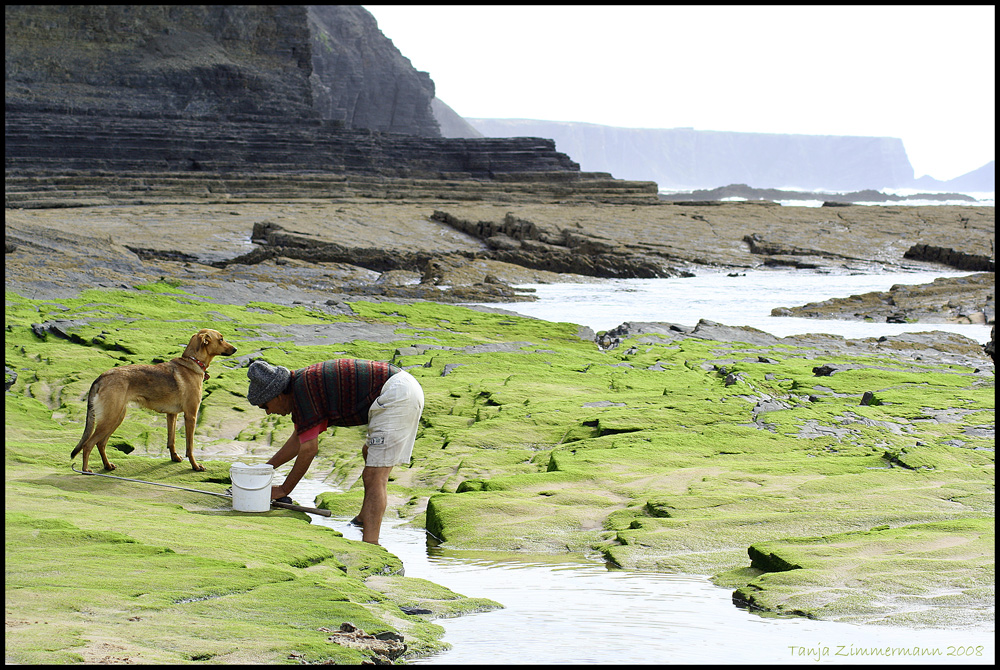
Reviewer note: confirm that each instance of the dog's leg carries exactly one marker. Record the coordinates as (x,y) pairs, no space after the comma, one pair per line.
(109,412)
(100,439)
(86,456)
(171,436)
(190,418)
(108,465)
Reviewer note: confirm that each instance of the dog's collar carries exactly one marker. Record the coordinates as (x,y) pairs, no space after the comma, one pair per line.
(201,365)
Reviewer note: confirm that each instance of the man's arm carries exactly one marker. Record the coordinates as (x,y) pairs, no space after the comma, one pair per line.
(304,455)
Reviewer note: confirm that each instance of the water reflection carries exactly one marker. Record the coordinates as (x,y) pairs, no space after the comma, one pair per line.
(562,609)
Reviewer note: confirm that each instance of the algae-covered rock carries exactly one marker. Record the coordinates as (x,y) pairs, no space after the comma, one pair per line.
(536,440)
(928,568)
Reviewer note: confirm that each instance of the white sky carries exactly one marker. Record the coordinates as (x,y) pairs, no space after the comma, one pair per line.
(925,74)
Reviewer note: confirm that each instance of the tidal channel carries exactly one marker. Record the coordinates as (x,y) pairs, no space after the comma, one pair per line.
(568,609)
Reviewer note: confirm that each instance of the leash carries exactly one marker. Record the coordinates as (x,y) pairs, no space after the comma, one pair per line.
(274,503)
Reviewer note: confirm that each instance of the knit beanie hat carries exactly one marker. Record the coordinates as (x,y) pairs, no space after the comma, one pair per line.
(266,382)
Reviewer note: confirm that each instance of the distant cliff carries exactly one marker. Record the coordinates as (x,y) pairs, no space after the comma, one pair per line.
(982,179)
(683,158)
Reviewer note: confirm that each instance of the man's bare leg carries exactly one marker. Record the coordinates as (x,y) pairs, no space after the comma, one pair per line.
(376,498)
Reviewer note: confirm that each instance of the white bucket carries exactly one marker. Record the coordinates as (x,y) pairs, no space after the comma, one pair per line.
(251,487)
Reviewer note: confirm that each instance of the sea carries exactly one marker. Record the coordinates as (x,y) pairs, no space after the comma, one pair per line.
(745,299)
(980,198)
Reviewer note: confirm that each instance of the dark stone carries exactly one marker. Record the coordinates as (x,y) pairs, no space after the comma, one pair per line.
(769,562)
(947,256)
(824,370)
(869,399)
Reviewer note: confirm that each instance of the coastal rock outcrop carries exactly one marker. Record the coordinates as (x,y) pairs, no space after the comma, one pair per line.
(526,246)
(970,299)
(525,243)
(956,259)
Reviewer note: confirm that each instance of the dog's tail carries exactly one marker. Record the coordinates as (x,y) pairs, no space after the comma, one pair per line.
(88,430)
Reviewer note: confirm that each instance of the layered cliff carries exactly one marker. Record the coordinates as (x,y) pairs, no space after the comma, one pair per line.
(195,60)
(287,62)
(148,89)
(684,158)
(360,78)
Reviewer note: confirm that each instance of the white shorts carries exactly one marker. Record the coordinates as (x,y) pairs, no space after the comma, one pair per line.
(393,420)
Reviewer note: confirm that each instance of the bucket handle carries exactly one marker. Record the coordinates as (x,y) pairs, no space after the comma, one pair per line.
(256,488)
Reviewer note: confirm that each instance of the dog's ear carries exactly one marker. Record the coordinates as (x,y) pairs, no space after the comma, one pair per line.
(206,337)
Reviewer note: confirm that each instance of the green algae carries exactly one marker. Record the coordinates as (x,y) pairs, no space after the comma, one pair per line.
(532,439)
(848,575)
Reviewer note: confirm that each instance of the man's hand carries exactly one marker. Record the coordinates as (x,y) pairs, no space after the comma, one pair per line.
(277,492)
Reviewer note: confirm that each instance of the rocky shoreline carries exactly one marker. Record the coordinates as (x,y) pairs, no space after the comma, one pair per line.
(339,245)
(413,248)
(692,448)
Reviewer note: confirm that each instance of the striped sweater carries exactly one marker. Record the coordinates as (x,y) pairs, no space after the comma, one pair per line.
(340,391)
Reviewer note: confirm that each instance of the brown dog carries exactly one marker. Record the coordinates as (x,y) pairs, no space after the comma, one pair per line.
(171,387)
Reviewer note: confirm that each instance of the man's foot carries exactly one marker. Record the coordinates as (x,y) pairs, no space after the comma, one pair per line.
(356,522)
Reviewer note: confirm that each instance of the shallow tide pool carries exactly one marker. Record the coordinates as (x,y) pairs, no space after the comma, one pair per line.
(563,609)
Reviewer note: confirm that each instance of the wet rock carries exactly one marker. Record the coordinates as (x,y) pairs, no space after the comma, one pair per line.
(384,647)
(711,330)
(969,299)
(502,242)
(60,328)
(946,256)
